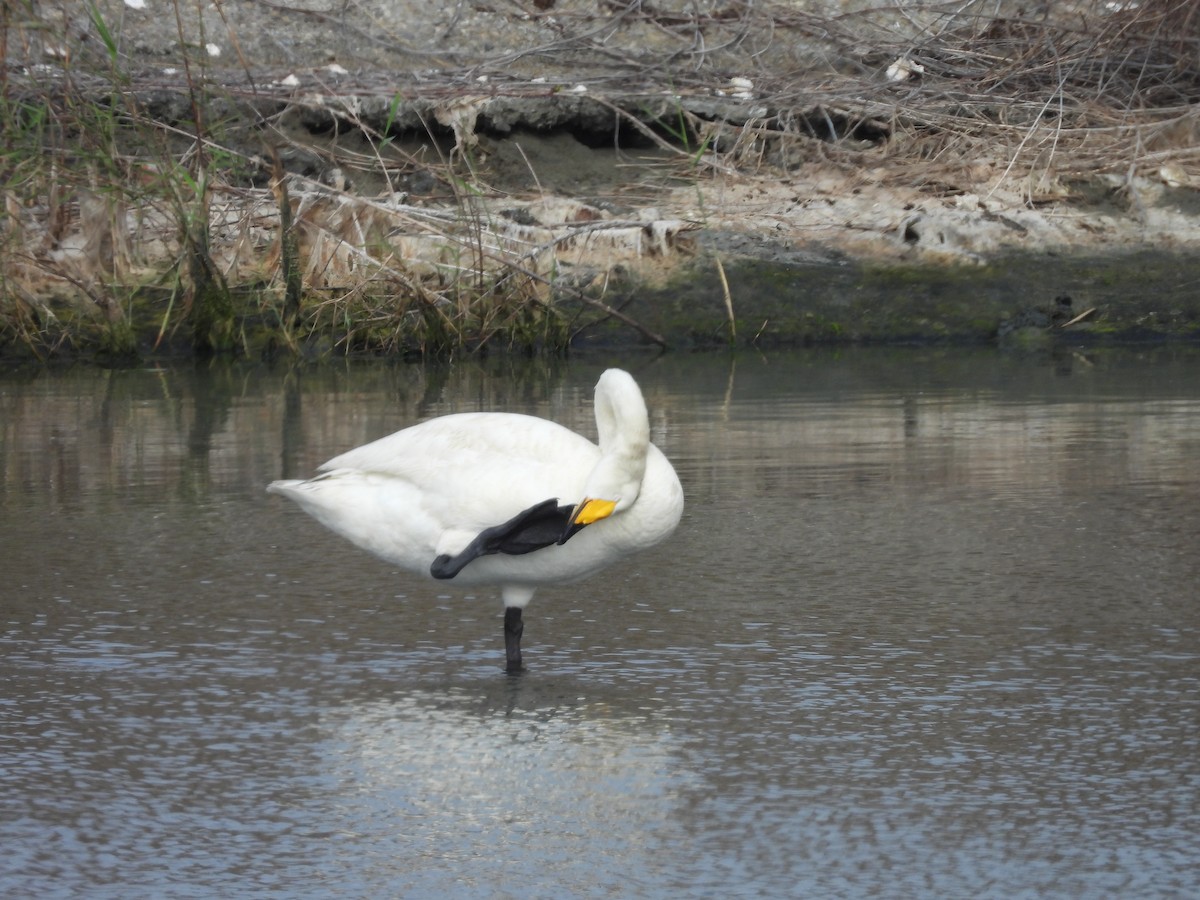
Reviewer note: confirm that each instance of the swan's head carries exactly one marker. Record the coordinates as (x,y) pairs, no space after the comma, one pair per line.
(624,430)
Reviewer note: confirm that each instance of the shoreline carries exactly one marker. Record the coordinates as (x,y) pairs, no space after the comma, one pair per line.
(501,200)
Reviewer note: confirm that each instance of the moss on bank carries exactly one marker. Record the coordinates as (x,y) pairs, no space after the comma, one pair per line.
(1017,301)
(1140,296)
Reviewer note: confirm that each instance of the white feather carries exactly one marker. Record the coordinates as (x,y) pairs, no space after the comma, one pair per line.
(430,489)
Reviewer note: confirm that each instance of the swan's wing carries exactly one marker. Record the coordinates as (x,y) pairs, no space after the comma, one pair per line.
(532,529)
(475,446)
(475,471)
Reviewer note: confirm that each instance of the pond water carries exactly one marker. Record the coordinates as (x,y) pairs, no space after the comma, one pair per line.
(930,627)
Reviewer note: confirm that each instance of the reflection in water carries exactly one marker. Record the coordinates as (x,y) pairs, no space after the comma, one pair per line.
(928,628)
(449,780)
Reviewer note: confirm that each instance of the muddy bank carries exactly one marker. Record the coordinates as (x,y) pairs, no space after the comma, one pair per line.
(265,177)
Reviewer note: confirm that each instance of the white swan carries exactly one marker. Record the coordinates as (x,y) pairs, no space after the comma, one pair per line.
(503,499)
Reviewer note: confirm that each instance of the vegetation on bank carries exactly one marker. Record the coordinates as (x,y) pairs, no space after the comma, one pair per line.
(132,230)
(142,219)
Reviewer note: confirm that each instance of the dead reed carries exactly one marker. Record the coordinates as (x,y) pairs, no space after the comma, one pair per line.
(1047,93)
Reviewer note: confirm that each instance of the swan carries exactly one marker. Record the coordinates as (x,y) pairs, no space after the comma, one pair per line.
(502,499)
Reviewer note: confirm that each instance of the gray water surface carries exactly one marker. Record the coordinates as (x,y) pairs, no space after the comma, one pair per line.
(930,627)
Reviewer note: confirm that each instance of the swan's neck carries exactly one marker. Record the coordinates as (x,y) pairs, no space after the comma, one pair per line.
(623,426)
(622,422)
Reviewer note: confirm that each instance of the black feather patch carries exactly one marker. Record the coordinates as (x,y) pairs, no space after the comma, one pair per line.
(539,526)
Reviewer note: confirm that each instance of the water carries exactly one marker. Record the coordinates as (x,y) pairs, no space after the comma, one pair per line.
(929,627)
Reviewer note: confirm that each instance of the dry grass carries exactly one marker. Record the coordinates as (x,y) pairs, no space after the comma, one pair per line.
(1062,88)
(948,94)
(1067,98)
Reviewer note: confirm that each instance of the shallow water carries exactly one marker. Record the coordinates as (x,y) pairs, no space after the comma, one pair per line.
(929,627)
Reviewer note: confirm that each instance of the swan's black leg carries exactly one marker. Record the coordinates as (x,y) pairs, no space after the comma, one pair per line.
(513,628)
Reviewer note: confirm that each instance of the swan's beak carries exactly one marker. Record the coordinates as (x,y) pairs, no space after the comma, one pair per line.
(588,511)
